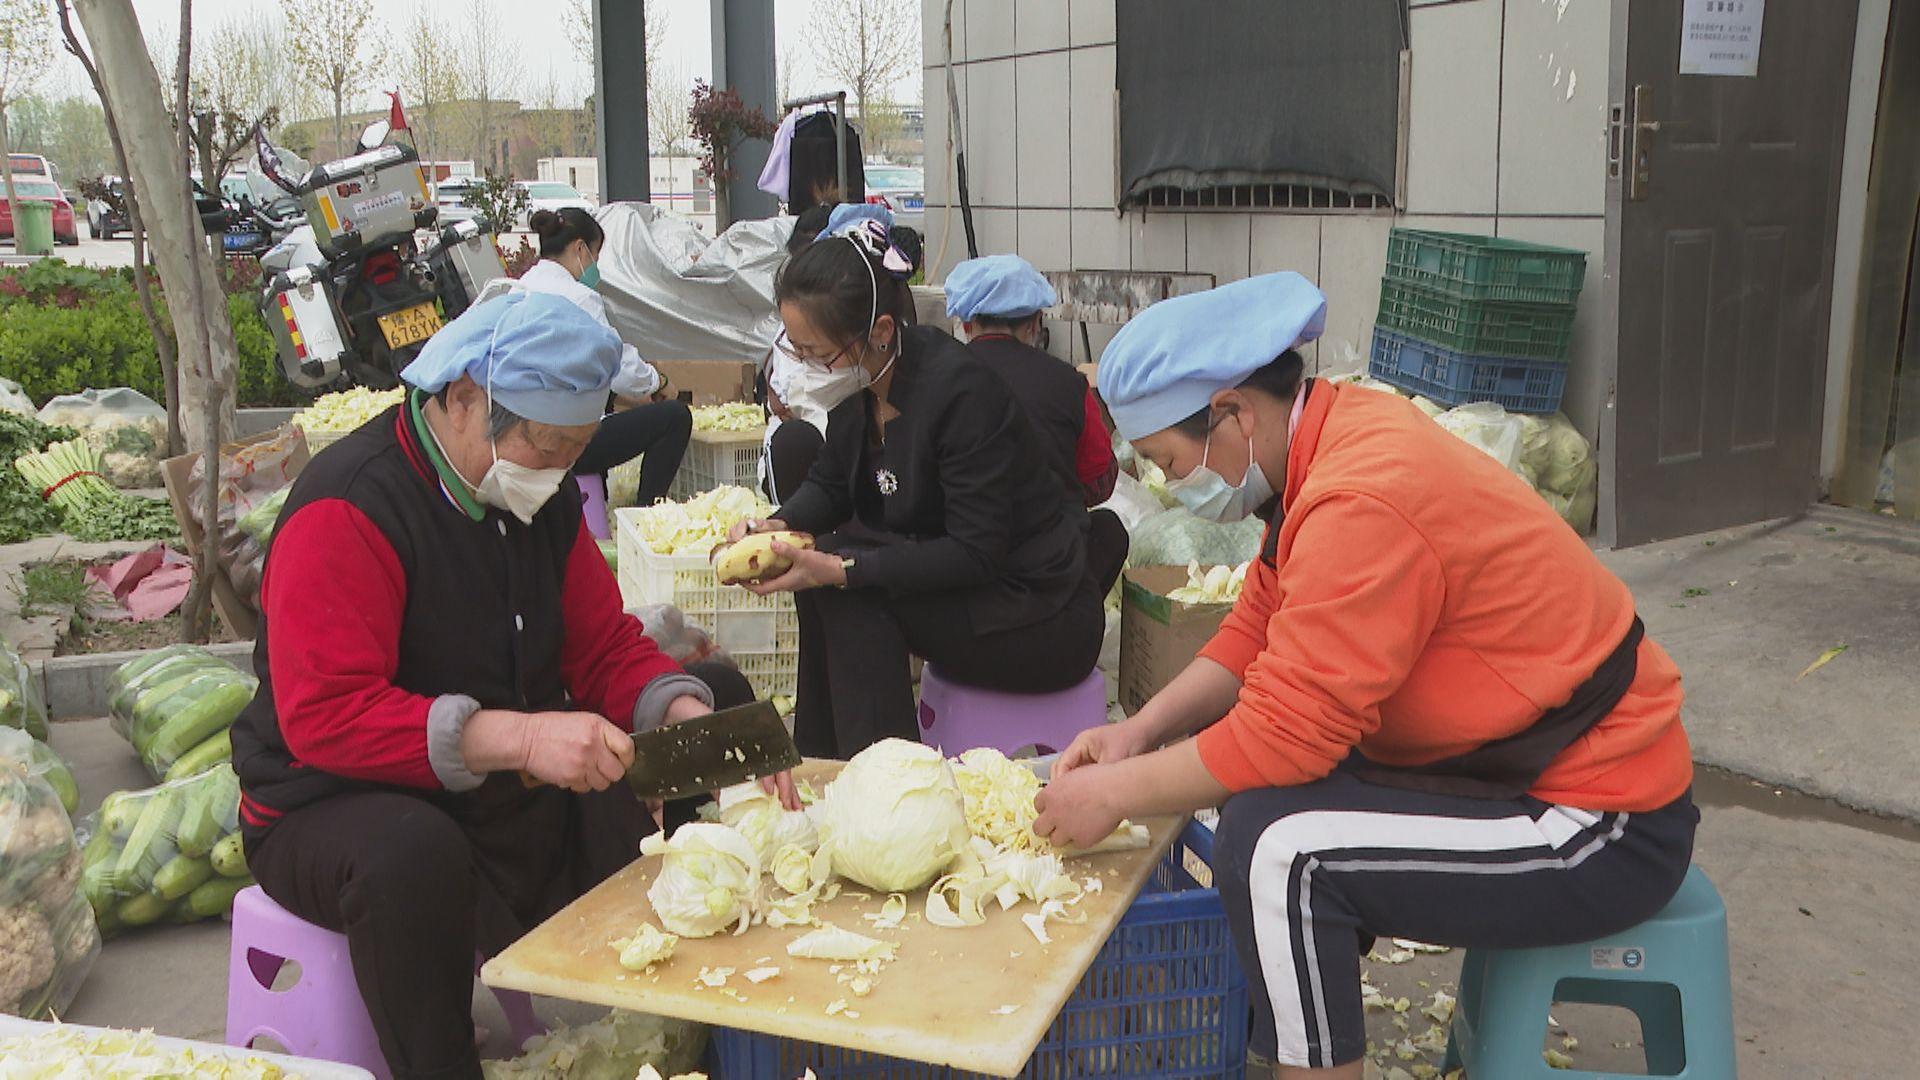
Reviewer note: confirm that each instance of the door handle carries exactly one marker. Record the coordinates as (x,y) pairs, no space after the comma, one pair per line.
(1641,129)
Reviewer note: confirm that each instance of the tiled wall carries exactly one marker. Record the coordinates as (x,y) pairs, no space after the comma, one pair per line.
(1507,136)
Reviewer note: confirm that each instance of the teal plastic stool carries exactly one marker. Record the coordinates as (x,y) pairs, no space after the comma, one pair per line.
(1671,971)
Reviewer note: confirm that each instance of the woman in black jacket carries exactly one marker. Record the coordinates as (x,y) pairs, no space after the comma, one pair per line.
(988,580)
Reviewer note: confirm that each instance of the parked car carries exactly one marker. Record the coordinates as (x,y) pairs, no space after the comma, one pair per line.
(551,195)
(40,189)
(901,189)
(450,195)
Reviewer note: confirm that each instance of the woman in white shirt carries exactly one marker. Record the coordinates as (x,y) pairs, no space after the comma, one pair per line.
(642,421)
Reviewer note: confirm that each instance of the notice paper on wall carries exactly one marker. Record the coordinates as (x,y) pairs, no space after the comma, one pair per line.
(1721,37)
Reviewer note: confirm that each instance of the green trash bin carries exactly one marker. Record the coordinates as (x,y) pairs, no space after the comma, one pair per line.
(32,227)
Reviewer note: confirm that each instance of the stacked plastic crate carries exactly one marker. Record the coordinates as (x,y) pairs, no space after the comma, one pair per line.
(1477,318)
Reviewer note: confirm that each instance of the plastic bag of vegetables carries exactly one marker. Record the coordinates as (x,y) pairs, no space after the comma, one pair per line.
(165,853)
(37,758)
(128,428)
(1176,538)
(176,709)
(20,703)
(48,939)
(250,474)
(615,1047)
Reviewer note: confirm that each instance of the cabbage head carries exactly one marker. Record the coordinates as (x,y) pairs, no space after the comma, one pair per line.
(894,817)
(708,877)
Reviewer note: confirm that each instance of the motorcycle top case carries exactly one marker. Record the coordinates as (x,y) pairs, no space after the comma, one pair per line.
(365,200)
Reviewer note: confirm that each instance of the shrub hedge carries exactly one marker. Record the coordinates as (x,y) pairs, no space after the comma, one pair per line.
(64,328)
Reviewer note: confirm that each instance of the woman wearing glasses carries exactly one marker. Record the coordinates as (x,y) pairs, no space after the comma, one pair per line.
(988,580)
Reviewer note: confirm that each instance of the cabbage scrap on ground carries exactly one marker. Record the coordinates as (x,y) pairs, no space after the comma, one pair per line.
(620,1046)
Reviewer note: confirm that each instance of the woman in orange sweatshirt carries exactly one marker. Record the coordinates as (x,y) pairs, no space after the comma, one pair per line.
(1432,713)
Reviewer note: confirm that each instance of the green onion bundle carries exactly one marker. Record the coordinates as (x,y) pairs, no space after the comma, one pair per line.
(68,477)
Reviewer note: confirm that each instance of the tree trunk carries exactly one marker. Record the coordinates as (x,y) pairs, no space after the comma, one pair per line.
(156,158)
(339,131)
(6,173)
(163,343)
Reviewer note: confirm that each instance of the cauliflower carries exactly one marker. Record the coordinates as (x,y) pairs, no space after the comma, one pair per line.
(57,882)
(26,954)
(37,833)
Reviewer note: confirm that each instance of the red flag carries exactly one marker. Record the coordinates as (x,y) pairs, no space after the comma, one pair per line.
(396,116)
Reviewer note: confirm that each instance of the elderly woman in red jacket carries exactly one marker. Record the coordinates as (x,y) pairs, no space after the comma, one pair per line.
(1431,714)
(438,622)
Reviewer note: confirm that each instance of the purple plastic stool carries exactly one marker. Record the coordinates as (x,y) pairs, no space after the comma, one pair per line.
(593,503)
(956,718)
(321,1015)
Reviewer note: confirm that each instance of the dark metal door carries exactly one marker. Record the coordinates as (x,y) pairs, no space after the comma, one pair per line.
(1726,200)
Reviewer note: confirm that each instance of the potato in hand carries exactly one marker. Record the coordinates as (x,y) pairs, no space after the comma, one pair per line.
(752,558)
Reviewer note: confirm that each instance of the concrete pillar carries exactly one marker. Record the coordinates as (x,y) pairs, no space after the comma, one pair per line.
(620,100)
(743,61)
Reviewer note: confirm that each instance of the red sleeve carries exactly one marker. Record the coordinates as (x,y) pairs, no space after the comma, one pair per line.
(1360,592)
(333,594)
(606,659)
(1093,459)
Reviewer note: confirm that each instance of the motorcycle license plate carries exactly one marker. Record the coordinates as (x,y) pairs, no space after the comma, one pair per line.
(417,323)
(913,202)
(239,241)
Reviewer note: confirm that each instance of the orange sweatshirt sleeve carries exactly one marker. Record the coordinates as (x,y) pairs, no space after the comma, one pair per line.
(1361,591)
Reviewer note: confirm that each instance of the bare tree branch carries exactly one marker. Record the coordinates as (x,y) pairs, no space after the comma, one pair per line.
(335,46)
(429,79)
(865,46)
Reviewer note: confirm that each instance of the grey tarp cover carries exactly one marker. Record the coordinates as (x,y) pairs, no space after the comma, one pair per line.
(675,294)
(1232,92)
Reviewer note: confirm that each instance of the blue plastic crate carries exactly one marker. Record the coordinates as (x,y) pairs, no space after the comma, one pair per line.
(1165,997)
(1453,378)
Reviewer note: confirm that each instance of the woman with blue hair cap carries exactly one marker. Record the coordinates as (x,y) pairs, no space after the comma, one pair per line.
(1000,302)
(437,621)
(1431,714)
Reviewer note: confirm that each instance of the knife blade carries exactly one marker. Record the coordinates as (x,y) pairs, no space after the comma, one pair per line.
(718,750)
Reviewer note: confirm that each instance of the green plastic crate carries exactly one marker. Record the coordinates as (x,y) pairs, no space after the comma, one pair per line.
(1477,327)
(1486,267)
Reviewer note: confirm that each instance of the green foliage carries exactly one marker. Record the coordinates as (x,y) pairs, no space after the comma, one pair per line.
(500,200)
(50,587)
(65,328)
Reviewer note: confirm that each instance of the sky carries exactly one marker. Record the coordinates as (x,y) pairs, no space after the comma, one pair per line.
(538,26)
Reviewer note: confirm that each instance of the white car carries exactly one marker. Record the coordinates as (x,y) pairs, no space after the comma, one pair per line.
(901,189)
(552,195)
(450,195)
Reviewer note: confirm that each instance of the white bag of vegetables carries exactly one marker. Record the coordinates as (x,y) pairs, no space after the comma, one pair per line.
(127,427)
(20,702)
(168,853)
(48,939)
(19,749)
(175,706)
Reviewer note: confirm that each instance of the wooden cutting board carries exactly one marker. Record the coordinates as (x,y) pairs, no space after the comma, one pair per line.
(943,1000)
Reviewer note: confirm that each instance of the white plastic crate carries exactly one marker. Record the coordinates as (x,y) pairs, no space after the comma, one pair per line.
(761,633)
(718,459)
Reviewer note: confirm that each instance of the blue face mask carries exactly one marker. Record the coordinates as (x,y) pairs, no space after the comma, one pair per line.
(1206,494)
(590,277)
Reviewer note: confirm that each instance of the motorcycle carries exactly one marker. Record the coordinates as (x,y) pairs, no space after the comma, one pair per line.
(353,293)
(262,218)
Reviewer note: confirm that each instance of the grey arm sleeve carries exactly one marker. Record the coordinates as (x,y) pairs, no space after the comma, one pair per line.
(650,708)
(446,722)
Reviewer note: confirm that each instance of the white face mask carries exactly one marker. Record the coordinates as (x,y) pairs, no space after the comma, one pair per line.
(517,489)
(849,380)
(1206,494)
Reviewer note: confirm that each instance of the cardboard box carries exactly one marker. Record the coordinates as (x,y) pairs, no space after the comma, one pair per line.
(1159,637)
(237,613)
(709,382)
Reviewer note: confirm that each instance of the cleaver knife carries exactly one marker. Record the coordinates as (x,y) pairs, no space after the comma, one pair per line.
(710,752)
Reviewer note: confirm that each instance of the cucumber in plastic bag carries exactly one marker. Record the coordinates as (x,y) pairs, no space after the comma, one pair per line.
(162,667)
(44,918)
(20,703)
(148,852)
(39,759)
(170,707)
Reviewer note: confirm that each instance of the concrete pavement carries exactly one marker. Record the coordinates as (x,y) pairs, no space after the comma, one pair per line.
(1745,611)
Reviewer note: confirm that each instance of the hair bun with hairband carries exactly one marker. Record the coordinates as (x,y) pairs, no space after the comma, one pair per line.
(875,240)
